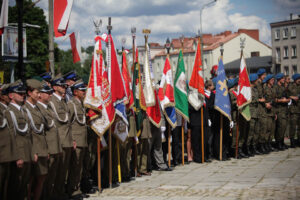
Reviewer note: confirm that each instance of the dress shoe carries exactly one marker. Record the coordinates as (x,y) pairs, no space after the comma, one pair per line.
(165,169)
(292,143)
(146,174)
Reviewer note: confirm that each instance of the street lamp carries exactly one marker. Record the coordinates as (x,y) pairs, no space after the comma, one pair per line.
(201,10)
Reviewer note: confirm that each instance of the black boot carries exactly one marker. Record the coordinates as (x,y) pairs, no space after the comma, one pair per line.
(250,151)
(284,145)
(270,147)
(241,153)
(292,143)
(279,146)
(255,150)
(262,148)
(266,148)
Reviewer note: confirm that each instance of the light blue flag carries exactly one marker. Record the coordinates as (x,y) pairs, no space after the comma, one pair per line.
(222,100)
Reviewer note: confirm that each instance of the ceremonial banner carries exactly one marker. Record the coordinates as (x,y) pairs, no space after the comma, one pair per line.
(98,96)
(147,81)
(196,85)
(166,94)
(127,81)
(120,130)
(118,92)
(136,94)
(180,91)
(103,144)
(61,14)
(4,16)
(244,91)
(76,47)
(154,112)
(222,101)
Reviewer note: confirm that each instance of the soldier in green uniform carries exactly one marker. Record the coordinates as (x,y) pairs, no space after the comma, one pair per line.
(39,143)
(18,123)
(52,138)
(270,110)
(62,122)
(254,122)
(282,101)
(262,116)
(294,95)
(79,134)
(7,144)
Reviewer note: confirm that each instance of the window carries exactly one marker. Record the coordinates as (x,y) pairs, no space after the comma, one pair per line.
(294,69)
(277,34)
(285,52)
(294,52)
(255,54)
(293,32)
(277,69)
(286,70)
(285,33)
(278,56)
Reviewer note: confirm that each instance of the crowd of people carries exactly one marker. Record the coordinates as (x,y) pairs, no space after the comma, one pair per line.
(48,151)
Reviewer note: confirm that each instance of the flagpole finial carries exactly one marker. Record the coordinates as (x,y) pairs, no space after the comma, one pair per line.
(221,48)
(97,24)
(146,33)
(168,45)
(242,44)
(133,31)
(123,41)
(109,26)
(181,40)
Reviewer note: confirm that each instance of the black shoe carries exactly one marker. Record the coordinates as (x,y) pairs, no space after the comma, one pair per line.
(280,147)
(241,154)
(165,169)
(284,145)
(292,143)
(255,150)
(207,160)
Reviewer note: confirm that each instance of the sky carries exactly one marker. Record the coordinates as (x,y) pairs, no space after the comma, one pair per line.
(172,18)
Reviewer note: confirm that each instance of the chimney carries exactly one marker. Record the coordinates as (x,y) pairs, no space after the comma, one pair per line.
(291,16)
(254,33)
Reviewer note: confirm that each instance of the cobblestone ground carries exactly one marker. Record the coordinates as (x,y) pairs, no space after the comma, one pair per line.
(272,176)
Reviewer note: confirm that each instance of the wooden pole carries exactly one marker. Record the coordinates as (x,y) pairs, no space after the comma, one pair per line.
(110,158)
(51,39)
(99,162)
(20,41)
(135,157)
(237,136)
(221,136)
(202,135)
(182,141)
(169,145)
(119,163)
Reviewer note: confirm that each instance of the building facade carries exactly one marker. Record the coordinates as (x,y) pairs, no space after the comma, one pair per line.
(286,46)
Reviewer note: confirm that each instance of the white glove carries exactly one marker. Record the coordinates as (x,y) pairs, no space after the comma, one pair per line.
(231,124)
(209,123)
(290,103)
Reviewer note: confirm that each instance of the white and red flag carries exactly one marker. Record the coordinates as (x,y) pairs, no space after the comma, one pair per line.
(127,81)
(196,85)
(244,88)
(76,47)
(166,94)
(4,16)
(61,15)
(98,96)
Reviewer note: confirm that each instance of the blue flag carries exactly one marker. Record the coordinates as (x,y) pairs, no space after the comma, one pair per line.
(222,101)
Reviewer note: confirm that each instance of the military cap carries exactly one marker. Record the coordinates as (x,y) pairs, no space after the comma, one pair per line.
(70,76)
(253,77)
(47,76)
(79,85)
(230,83)
(261,71)
(296,77)
(17,87)
(58,80)
(4,89)
(268,77)
(279,76)
(45,88)
(33,83)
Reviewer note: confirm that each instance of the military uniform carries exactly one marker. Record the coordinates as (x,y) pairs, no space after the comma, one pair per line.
(7,152)
(294,90)
(79,134)
(254,122)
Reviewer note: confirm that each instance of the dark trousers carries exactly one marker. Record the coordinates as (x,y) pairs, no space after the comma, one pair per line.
(176,145)
(197,143)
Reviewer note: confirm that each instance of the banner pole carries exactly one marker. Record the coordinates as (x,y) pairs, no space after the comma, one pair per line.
(169,145)
(182,141)
(99,163)
(110,159)
(119,163)
(237,136)
(221,137)
(202,135)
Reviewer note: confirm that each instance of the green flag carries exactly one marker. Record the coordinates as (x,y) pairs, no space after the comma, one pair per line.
(245,111)
(180,89)
(136,93)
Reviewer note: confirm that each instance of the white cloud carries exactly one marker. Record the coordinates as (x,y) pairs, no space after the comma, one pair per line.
(180,18)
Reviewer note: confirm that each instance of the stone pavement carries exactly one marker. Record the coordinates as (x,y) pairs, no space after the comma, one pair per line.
(272,176)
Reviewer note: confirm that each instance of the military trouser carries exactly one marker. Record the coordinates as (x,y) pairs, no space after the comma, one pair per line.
(252,133)
(243,131)
(143,154)
(254,130)
(52,172)
(281,125)
(4,177)
(294,125)
(75,171)
(63,167)
(233,133)
(90,155)
(123,158)
(128,155)
(270,129)
(19,180)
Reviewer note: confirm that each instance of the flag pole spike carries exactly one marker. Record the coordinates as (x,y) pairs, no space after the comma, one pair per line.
(99,163)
